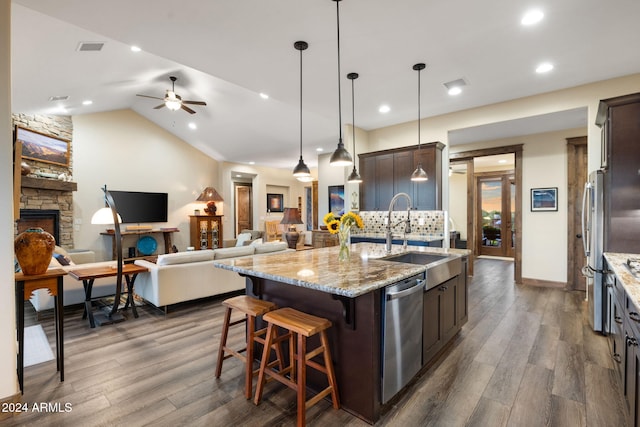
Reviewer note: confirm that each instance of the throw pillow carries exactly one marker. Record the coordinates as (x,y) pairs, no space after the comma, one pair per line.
(242,238)
(256,242)
(63,260)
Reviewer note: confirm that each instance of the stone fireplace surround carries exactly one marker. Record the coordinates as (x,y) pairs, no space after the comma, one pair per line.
(45,194)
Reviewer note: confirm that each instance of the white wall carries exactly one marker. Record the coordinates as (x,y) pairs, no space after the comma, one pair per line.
(458,203)
(266,180)
(127,152)
(8,349)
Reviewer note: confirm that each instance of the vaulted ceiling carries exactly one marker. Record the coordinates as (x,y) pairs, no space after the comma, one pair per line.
(227,53)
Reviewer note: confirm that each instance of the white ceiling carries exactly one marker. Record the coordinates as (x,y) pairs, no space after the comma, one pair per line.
(227,52)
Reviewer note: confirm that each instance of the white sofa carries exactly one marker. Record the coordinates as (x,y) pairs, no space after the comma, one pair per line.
(73,291)
(185,276)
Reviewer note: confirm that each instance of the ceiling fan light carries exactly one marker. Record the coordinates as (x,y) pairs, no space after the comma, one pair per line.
(419,175)
(354,178)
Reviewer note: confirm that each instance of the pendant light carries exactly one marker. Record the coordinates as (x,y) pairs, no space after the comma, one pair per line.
(355,176)
(419,174)
(301,171)
(341,156)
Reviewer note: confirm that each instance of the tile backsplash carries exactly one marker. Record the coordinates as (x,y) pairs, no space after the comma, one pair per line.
(427,223)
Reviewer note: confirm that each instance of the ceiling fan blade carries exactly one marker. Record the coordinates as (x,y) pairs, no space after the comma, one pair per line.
(147,96)
(187,109)
(194,102)
(159,106)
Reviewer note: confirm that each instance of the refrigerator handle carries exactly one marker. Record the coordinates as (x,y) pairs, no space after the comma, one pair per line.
(585,193)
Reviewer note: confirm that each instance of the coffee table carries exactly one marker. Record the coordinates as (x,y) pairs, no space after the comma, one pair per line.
(88,276)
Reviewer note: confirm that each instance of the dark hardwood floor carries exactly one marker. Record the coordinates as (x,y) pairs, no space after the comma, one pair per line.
(526,357)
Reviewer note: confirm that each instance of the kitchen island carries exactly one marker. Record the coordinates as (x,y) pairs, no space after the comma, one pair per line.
(350,294)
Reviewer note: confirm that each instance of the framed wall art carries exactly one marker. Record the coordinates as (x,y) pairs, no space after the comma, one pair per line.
(275,202)
(43,148)
(336,199)
(544,199)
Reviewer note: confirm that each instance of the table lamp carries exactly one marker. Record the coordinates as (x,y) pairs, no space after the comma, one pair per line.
(291,217)
(211,196)
(109,215)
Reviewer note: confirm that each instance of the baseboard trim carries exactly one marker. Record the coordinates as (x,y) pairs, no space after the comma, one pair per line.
(16,398)
(544,283)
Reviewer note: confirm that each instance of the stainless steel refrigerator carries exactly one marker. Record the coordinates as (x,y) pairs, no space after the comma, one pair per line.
(593,241)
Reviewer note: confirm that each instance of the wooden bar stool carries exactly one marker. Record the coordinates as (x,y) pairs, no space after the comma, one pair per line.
(300,326)
(252,308)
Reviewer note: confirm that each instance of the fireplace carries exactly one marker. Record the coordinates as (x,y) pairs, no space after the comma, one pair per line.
(47,219)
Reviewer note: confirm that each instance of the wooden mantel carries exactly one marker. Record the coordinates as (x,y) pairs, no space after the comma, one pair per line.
(48,184)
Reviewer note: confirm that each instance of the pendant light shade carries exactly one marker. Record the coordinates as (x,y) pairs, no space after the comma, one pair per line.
(341,156)
(355,176)
(419,174)
(301,171)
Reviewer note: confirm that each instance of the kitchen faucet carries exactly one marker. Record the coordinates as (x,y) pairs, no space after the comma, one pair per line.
(407,228)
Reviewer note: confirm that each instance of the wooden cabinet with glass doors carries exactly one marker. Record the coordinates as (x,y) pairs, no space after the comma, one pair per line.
(206,231)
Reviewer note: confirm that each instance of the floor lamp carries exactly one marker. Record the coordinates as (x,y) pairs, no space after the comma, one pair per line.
(109,215)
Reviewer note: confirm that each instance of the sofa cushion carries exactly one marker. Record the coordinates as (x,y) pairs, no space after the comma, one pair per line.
(233,252)
(256,242)
(266,248)
(243,239)
(185,257)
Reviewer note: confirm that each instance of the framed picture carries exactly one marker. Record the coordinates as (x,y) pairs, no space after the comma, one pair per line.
(43,148)
(275,202)
(336,199)
(544,199)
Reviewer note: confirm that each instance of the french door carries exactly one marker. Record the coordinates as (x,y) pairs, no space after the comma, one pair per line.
(496,213)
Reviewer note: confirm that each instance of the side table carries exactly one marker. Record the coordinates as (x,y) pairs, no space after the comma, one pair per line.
(88,276)
(25,285)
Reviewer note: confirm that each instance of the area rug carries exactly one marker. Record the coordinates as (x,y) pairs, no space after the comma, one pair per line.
(36,346)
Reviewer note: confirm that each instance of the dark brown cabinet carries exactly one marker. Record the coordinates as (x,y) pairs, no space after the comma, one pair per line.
(619,119)
(388,172)
(444,313)
(623,329)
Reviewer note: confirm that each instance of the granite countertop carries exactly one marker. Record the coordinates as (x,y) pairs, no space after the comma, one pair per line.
(416,237)
(617,262)
(319,269)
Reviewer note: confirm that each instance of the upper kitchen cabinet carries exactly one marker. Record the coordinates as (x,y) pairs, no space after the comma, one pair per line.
(388,172)
(619,119)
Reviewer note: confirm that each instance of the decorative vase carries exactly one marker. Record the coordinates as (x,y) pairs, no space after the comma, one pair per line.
(25,169)
(33,248)
(344,237)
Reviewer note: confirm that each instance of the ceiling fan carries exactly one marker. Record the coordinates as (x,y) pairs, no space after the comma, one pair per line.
(173,101)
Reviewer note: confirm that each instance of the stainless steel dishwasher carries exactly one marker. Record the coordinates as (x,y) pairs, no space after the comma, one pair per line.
(401,334)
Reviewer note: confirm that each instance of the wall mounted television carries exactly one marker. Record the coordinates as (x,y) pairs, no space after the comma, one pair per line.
(138,207)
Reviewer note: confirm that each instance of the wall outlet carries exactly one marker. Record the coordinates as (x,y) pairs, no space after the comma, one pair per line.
(77,221)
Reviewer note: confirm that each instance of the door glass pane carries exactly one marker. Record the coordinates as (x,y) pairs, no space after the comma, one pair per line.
(491,199)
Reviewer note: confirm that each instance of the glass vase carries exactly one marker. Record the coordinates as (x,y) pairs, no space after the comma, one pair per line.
(344,237)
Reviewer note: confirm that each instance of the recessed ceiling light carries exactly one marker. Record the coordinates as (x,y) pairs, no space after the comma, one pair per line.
(384,109)
(264,95)
(532,17)
(135,49)
(193,126)
(252,163)
(238,176)
(545,67)
(319,149)
(454,87)
(87,102)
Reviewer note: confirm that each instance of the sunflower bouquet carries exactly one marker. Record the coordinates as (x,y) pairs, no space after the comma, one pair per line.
(342,227)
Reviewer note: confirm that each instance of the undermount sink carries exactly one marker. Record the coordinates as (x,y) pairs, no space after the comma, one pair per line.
(416,258)
(440,268)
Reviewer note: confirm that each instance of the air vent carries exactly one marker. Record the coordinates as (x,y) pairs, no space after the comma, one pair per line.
(90,46)
(59,98)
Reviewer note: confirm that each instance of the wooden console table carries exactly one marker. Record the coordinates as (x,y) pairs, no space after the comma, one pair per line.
(167,234)
(25,285)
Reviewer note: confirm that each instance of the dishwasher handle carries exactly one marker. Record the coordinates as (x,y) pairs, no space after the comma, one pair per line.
(403,293)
